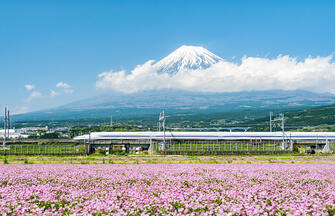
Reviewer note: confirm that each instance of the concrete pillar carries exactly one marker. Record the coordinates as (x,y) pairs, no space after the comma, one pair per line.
(151,148)
(90,149)
(111,149)
(291,145)
(127,148)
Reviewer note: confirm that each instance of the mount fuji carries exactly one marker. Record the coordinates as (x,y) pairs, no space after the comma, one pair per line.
(180,102)
(187,58)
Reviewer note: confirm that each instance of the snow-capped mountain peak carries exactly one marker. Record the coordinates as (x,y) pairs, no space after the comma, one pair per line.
(186,58)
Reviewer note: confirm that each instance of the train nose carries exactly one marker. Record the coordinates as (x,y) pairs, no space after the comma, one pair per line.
(83,137)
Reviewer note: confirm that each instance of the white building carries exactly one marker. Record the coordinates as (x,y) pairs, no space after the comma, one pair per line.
(13,134)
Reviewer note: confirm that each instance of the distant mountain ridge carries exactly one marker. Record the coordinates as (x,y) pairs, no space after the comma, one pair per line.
(180,102)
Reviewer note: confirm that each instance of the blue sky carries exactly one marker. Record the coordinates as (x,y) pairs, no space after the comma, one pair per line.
(45,43)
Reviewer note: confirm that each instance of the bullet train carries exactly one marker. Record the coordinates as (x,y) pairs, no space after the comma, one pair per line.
(207,136)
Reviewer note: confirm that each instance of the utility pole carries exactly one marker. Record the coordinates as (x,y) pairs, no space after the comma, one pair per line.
(111,123)
(271,113)
(282,118)
(8,122)
(162,119)
(164,124)
(6,125)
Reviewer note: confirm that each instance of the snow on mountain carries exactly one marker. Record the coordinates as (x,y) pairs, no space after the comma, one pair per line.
(186,58)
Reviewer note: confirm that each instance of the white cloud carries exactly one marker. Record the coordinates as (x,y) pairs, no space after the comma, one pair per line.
(53,93)
(65,87)
(143,77)
(253,73)
(34,95)
(29,87)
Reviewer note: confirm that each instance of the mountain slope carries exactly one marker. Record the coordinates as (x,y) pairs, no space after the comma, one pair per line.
(180,102)
(309,119)
(187,58)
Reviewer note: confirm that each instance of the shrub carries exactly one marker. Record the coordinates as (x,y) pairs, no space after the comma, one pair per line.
(229,160)
(100,151)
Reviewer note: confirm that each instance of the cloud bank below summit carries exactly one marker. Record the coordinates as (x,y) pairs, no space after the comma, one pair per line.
(253,73)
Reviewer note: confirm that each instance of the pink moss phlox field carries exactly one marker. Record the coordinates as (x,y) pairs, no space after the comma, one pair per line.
(164,189)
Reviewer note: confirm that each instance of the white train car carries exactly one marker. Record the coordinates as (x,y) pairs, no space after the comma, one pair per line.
(150,135)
